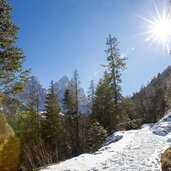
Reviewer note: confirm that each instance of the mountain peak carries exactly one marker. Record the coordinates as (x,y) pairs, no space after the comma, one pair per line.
(63,82)
(64,79)
(60,87)
(34,78)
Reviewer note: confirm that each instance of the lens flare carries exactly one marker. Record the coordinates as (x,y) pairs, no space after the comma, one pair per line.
(159,28)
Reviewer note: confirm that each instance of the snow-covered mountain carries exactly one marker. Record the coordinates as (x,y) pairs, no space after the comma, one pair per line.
(135,150)
(60,87)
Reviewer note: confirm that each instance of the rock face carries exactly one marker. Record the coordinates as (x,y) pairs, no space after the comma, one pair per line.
(60,87)
(35,87)
(83,101)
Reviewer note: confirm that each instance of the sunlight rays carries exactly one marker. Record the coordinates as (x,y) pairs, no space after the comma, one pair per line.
(158,28)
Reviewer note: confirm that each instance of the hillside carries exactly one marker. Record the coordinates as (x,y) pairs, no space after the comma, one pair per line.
(138,150)
(154,99)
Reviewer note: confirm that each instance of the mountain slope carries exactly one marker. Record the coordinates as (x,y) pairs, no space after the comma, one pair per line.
(138,150)
(154,99)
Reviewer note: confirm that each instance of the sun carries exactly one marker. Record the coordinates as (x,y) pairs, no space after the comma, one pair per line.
(158,29)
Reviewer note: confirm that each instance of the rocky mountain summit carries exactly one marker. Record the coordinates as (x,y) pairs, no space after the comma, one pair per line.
(35,87)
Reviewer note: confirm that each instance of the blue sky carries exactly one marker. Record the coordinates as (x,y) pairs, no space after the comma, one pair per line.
(59,36)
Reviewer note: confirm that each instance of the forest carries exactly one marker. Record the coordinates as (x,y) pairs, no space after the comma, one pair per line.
(30,138)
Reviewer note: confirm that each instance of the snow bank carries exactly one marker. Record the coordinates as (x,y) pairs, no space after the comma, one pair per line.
(114,137)
(147,126)
(163,127)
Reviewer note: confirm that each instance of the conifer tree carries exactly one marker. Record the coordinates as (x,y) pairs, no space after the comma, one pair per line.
(96,136)
(167,95)
(28,130)
(68,103)
(75,135)
(69,112)
(107,103)
(12,75)
(34,100)
(28,121)
(116,63)
(104,104)
(129,118)
(53,131)
(91,97)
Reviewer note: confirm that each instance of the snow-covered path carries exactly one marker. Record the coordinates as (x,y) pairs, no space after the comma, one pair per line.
(138,150)
(141,154)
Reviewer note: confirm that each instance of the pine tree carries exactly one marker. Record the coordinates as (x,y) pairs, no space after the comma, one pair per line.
(28,130)
(53,131)
(69,112)
(116,63)
(28,121)
(68,103)
(75,135)
(104,104)
(167,95)
(12,75)
(91,97)
(34,100)
(96,136)
(107,110)
(128,114)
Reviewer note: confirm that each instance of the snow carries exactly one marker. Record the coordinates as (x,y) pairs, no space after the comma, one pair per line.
(116,136)
(135,150)
(147,126)
(163,127)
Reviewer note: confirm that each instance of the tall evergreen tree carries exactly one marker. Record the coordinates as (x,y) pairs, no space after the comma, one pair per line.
(104,104)
(12,75)
(116,63)
(167,95)
(109,88)
(28,131)
(34,99)
(68,103)
(52,130)
(74,91)
(69,112)
(91,97)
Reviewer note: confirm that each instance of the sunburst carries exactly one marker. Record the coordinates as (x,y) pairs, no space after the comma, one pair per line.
(159,28)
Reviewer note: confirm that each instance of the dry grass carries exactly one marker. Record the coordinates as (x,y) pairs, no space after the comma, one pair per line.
(166,160)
